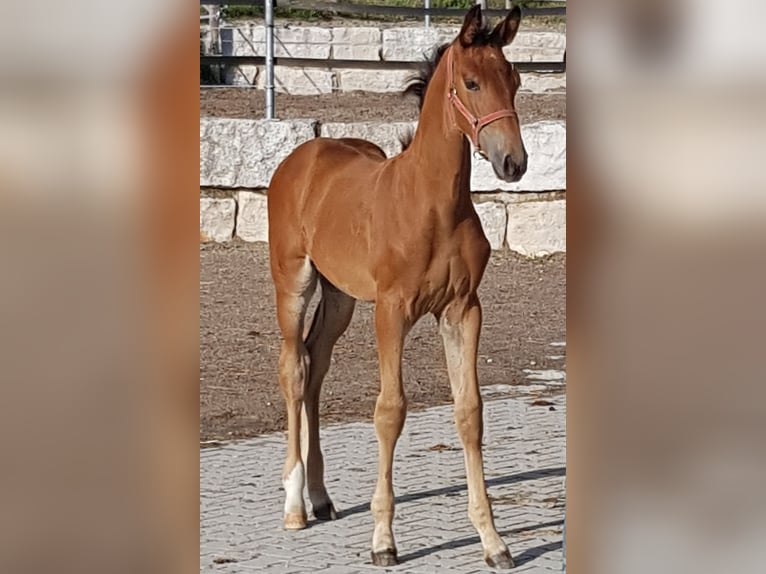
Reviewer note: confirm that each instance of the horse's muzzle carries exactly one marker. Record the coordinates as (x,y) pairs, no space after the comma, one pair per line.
(507,168)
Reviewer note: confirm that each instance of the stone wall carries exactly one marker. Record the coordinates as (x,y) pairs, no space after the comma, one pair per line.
(241,155)
(405,44)
(244,153)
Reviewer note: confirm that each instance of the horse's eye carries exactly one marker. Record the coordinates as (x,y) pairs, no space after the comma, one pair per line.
(471,85)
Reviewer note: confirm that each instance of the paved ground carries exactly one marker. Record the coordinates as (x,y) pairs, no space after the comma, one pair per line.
(241,494)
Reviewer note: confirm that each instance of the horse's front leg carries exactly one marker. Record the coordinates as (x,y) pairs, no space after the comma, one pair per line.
(390,412)
(460,324)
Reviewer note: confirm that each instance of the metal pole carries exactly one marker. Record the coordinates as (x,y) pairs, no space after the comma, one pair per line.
(269,17)
(428,16)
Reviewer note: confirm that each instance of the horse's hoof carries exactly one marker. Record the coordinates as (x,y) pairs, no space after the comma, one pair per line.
(385,558)
(295,521)
(501,561)
(325,512)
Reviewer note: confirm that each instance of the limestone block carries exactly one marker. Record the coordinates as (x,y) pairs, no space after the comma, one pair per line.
(299,81)
(350,80)
(245,153)
(412,44)
(292,41)
(386,135)
(537,47)
(493,218)
(541,83)
(546,145)
(356,43)
(244,75)
(537,228)
(252,216)
(216,219)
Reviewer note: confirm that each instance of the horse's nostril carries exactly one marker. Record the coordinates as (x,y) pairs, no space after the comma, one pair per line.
(508,166)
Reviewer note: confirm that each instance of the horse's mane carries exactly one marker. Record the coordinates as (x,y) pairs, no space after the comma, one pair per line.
(417,84)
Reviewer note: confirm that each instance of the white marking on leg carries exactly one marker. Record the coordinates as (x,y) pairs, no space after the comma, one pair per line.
(293,486)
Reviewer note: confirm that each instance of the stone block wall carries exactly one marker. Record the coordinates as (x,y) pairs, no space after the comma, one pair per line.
(402,44)
(241,155)
(399,44)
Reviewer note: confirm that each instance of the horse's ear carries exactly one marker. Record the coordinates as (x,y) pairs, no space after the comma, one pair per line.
(505,31)
(471,26)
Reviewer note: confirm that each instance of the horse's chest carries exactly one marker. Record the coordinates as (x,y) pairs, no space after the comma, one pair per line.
(445,279)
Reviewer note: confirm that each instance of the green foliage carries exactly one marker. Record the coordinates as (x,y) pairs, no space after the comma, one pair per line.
(285,11)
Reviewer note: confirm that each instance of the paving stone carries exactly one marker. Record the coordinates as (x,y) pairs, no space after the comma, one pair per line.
(431,524)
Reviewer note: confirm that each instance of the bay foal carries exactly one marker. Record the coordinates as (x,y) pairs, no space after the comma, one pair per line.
(401,232)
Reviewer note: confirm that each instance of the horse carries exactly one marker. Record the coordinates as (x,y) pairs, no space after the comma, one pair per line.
(401,232)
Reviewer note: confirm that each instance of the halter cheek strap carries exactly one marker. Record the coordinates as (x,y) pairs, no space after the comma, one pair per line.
(476,123)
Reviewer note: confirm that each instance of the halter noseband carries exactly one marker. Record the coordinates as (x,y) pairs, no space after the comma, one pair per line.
(476,123)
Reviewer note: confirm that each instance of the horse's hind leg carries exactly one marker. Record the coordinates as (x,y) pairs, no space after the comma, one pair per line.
(295,281)
(330,321)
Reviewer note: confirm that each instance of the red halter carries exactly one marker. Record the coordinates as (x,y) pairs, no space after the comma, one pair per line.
(476,123)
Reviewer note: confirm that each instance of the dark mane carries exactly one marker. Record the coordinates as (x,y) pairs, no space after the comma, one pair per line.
(417,84)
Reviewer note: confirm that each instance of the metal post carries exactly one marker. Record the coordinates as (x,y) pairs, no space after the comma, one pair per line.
(428,16)
(269,17)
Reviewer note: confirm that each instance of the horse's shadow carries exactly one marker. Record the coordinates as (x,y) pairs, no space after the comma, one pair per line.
(520,559)
(447,490)
(527,556)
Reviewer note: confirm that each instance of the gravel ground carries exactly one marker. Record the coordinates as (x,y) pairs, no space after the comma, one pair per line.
(524,311)
(353,106)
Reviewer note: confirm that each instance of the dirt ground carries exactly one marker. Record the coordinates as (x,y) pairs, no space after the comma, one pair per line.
(524,311)
(353,106)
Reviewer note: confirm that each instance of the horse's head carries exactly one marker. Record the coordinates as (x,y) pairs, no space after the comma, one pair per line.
(482,87)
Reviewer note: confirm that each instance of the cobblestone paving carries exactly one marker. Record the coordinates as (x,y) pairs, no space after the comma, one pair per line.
(241,495)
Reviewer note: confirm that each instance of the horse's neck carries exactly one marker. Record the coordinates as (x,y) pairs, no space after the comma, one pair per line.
(439,150)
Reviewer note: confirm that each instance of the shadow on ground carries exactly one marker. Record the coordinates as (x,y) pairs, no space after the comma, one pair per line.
(447,490)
